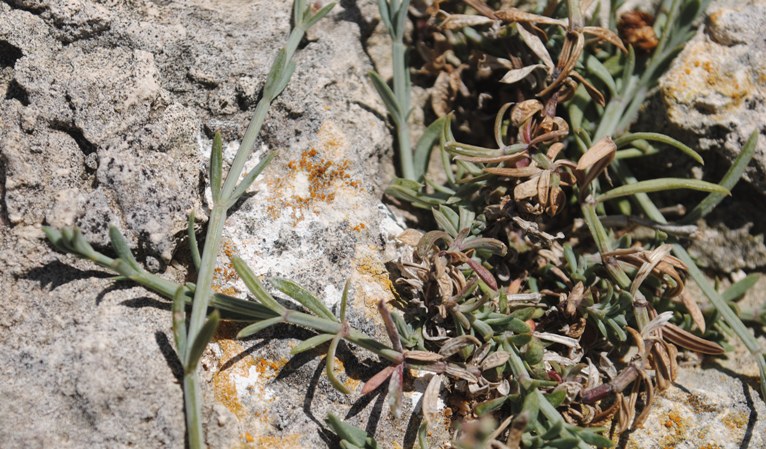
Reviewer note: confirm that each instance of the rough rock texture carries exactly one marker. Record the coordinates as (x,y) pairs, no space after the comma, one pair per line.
(107,113)
(704,409)
(714,94)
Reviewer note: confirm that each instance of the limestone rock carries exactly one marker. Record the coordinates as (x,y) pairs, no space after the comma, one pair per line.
(715,92)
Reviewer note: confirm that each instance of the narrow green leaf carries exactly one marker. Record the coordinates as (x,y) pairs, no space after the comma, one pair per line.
(258,326)
(630,65)
(661,184)
(311,343)
(509,323)
(299,8)
(689,12)
(422,434)
(531,406)
(738,289)
(728,182)
(443,221)
(319,15)
(82,247)
(656,137)
(249,310)
(287,73)
(179,323)
(216,166)
(413,197)
(251,282)
(555,430)
(330,363)
(385,15)
(249,178)
(490,405)
(120,246)
(534,353)
(344,300)
(492,246)
(193,245)
(304,297)
(400,16)
(425,145)
(347,432)
(57,240)
(275,74)
(200,342)
(577,107)
(557,397)
(564,443)
(484,329)
(595,67)
(466,217)
(388,97)
(594,439)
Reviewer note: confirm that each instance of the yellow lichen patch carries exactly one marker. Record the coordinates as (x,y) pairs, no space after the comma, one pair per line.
(360,227)
(310,181)
(224,275)
(710,446)
(736,420)
(291,441)
(331,139)
(224,385)
(702,81)
(340,372)
(676,426)
(374,282)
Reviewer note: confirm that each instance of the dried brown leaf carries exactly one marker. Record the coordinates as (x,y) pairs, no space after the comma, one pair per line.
(687,340)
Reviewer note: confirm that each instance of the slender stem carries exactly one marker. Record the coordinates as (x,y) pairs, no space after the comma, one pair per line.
(193,406)
(245,150)
(206,270)
(402,94)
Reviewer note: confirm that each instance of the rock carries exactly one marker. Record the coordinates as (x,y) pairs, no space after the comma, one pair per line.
(705,409)
(714,94)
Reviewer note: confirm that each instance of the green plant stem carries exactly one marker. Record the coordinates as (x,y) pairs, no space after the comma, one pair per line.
(521,373)
(207,266)
(193,405)
(402,93)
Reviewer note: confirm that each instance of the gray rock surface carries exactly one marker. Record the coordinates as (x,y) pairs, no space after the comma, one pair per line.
(714,94)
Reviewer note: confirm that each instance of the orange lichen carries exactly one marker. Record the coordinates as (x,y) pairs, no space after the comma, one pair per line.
(374,273)
(673,420)
(224,275)
(360,227)
(224,387)
(735,420)
(677,427)
(323,176)
(339,369)
(710,446)
(291,441)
